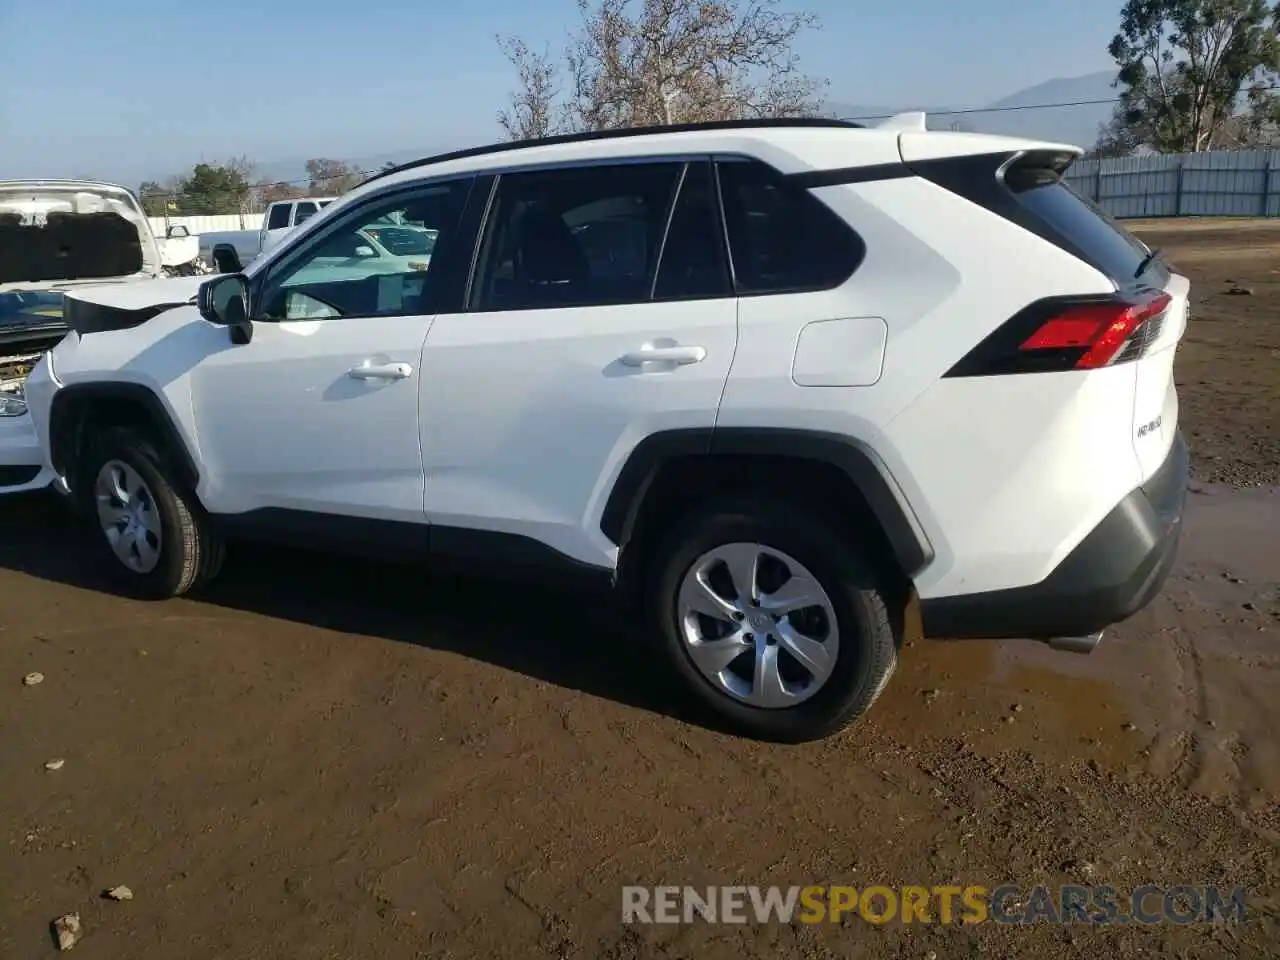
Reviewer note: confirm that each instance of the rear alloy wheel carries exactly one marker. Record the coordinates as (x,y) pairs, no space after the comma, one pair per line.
(773,620)
(758,625)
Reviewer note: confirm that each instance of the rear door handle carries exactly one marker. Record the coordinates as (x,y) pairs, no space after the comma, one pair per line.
(676,355)
(380,371)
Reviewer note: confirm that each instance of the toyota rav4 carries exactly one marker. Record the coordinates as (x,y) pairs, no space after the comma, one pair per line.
(771,381)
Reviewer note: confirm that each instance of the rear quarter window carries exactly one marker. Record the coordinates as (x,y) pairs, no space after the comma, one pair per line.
(1111,247)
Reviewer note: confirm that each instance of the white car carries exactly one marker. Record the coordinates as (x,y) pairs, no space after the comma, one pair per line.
(767,379)
(56,235)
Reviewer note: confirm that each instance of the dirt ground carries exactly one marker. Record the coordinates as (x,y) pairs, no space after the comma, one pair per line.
(319,758)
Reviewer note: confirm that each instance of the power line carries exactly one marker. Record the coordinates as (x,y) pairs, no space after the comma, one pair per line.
(1022,106)
(1010,109)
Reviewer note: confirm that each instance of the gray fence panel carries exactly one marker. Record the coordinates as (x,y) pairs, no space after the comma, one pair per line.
(1220,183)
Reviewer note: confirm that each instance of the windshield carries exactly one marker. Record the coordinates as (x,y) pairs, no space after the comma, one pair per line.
(404,241)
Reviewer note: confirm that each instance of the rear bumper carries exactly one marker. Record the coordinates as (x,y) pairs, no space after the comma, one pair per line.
(1118,569)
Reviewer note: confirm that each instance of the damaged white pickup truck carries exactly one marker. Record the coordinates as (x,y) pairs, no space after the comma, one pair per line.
(55,235)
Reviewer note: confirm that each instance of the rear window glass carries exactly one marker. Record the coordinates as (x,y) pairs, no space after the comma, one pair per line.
(1087,227)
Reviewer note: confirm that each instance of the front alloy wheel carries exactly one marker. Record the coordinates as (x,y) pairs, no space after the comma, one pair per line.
(128,515)
(161,541)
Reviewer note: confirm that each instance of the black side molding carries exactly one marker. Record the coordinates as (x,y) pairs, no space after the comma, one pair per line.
(456,549)
(66,422)
(858,462)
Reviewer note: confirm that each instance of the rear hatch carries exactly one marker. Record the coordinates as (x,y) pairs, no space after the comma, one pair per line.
(1140,325)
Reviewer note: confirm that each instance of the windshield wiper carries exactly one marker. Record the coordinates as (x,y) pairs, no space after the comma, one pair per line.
(1149,259)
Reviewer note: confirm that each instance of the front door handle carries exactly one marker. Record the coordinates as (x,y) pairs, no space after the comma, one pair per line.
(380,371)
(676,355)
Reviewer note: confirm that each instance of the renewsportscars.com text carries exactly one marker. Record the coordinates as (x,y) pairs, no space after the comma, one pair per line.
(1009,903)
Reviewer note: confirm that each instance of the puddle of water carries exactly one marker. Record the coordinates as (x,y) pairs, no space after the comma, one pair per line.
(1189,687)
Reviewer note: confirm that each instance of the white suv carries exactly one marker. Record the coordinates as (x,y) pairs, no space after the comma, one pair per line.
(768,378)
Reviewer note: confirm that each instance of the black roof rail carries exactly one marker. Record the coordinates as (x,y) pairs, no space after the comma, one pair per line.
(749,124)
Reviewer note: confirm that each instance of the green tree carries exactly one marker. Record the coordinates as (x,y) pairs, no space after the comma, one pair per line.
(154,198)
(1187,65)
(213,189)
(1116,138)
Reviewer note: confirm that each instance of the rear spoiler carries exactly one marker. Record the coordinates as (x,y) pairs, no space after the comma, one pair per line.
(913,121)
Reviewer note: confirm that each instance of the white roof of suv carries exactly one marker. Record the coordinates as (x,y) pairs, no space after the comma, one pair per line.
(796,145)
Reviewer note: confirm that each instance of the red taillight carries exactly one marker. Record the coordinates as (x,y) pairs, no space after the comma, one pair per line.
(1064,333)
(1099,330)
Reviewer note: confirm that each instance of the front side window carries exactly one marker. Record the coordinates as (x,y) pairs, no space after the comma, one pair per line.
(578,237)
(376,261)
(781,237)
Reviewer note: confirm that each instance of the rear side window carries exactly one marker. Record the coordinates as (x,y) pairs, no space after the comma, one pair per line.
(782,239)
(1110,247)
(305,211)
(573,238)
(279,217)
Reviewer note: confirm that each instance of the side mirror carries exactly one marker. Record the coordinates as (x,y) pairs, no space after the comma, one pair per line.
(178,232)
(224,301)
(363,251)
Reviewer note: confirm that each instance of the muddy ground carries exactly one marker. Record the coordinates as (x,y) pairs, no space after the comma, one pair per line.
(320,758)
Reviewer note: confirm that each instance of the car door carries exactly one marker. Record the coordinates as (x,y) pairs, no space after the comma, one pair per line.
(319,411)
(600,311)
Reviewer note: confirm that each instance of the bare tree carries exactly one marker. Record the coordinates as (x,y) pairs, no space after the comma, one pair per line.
(271,192)
(534,110)
(331,177)
(646,62)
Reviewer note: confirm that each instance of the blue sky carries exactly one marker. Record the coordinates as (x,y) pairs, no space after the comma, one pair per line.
(143,88)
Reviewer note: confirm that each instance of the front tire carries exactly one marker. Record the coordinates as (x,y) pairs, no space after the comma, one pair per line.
(157,540)
(780,627)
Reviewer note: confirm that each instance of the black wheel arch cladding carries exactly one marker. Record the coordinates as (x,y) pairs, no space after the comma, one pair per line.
(73,405)
(855,460)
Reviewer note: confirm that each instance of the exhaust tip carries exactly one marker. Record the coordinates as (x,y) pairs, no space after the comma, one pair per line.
(1085,644)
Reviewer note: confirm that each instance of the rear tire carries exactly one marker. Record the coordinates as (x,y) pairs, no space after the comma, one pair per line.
(157,540)
(779,668)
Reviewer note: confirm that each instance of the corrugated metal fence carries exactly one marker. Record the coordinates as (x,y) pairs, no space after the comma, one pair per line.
(211,224)
(1221,183)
